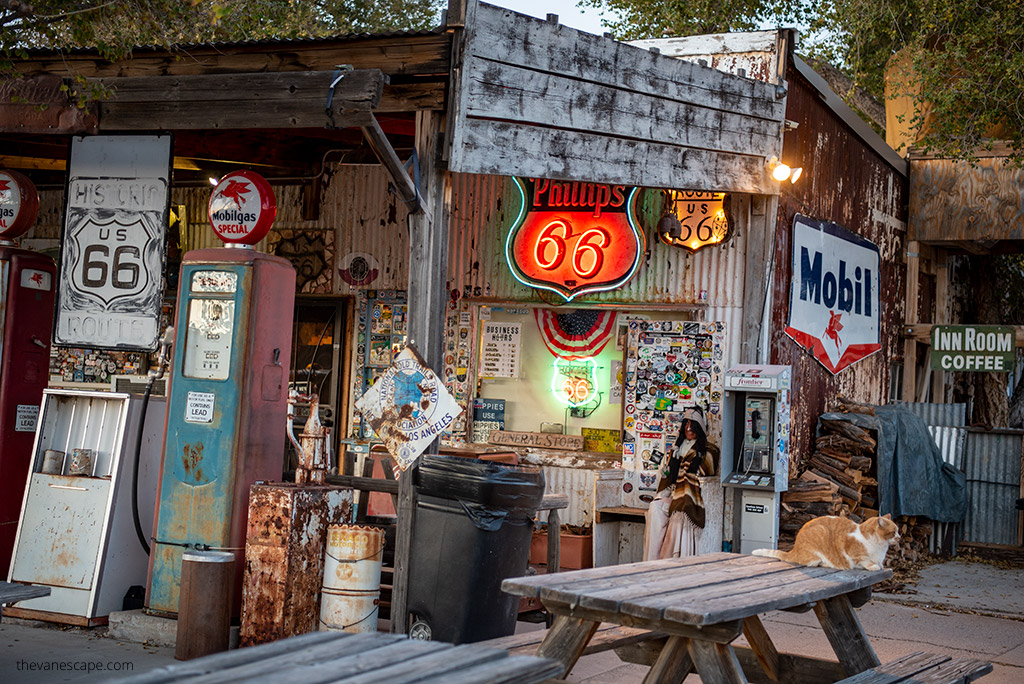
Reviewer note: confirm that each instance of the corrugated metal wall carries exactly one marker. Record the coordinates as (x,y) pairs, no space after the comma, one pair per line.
(844,180)
(578,484)
(483,208)
(992,462)
(948,415)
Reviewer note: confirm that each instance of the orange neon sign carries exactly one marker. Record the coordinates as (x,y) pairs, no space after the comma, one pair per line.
(573,237)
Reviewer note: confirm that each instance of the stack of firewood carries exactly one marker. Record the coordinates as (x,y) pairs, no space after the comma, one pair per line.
(840,478)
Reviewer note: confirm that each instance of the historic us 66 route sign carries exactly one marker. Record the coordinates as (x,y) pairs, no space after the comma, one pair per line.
(112,252)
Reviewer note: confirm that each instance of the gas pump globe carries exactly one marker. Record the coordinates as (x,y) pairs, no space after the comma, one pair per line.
(26,301)
(228,399)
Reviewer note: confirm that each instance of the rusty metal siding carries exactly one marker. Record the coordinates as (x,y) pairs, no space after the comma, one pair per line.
(844,180)
(357,214)
(483,209)
(992,462)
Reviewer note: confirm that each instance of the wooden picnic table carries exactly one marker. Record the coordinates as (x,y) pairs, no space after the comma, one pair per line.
(368,658)
(703,603)
(12,592)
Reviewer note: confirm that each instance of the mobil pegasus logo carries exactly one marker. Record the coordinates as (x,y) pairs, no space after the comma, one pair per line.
(833,302)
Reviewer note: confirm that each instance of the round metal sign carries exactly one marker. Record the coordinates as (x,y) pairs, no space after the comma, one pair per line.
(19,204)
(242,208)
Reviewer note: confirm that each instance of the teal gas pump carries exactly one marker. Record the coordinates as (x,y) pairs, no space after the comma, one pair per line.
(228,398)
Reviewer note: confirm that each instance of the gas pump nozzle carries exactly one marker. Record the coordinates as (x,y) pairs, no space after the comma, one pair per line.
(164,359)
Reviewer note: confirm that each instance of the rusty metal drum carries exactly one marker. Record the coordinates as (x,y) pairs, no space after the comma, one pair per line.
(350,598)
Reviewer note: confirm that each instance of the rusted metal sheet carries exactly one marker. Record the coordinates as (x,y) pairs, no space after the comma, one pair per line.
(284,552)
(847,181)
(753,54)
(953,201)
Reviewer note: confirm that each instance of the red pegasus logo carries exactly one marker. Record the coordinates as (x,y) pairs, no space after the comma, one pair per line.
(834,326)
(36,278)
(5,185)
(235,191)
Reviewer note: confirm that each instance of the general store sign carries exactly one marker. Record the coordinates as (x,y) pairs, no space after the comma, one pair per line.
(573,238)
(973,348)
(833,300)
(112,252)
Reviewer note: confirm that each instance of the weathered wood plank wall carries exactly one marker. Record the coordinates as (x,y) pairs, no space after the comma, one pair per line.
(540,99)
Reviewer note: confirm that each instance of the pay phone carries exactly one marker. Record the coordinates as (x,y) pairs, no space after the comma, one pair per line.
(227,403)
(27,290)
(755,451)
(758,432)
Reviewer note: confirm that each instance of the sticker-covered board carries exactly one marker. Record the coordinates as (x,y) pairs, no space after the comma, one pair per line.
(670,366)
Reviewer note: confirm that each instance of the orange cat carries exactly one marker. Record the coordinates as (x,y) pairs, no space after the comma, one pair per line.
(834,542)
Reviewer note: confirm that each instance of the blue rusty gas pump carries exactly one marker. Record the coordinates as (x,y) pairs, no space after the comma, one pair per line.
(228,400)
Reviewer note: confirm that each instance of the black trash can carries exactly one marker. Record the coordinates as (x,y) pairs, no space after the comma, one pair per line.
(473,525)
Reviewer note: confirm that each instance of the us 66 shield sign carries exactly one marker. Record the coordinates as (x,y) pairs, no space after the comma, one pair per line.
(112,252)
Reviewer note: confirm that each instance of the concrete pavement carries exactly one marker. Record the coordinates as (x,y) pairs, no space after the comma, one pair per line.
(959,608)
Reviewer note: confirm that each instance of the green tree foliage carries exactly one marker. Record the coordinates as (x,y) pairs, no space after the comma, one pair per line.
(966,57)
(114,27)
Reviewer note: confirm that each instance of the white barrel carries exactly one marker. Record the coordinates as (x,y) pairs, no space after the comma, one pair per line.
(350,598)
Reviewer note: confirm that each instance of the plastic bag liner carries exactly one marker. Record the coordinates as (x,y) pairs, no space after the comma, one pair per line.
(489,493)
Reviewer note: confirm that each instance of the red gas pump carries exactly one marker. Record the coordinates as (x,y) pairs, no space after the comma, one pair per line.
(26,306)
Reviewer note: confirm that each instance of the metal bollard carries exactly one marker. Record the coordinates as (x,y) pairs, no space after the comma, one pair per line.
(204,603)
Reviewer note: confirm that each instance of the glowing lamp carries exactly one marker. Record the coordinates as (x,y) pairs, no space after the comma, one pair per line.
(781,172)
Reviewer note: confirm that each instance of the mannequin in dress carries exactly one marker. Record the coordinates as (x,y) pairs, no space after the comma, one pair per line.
(675,518)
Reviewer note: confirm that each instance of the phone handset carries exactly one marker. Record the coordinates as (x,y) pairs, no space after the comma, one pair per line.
(755,417)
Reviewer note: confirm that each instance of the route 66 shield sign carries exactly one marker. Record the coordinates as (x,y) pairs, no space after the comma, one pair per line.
(112,252)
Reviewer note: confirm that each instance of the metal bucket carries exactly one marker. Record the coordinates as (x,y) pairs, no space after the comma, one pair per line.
(350,598)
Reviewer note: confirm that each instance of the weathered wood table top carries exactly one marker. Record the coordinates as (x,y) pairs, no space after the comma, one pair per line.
(11,592)
(703,603)
(356,659)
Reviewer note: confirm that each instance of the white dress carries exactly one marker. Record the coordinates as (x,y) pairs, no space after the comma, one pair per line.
(669,536)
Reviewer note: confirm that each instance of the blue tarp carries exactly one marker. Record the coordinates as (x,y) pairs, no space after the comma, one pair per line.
(912,478)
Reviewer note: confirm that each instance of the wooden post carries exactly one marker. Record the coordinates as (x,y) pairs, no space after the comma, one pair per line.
(910,344)
(761,215)
(941,317)
(428,270)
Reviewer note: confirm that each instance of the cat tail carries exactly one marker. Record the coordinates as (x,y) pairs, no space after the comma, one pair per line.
(770,553)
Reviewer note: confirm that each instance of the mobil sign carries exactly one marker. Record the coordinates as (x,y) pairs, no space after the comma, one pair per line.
(833,299)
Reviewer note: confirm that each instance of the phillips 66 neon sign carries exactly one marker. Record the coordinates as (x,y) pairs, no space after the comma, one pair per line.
(573,238)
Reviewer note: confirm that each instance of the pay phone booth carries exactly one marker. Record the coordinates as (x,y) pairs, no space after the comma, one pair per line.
(27,294)
(755,451)
(228,398)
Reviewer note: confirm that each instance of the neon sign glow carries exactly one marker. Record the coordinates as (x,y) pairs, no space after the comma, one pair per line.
(574,382)
(703,216)
(574,238)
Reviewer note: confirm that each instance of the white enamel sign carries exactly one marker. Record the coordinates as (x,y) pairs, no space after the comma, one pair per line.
(833,301)
(112,250)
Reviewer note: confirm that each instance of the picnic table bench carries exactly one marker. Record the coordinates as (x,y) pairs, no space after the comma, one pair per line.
(367,658)
(12,592)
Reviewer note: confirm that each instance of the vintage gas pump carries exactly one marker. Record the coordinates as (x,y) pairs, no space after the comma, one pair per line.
(26,299)
(755,451)
(228,399)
